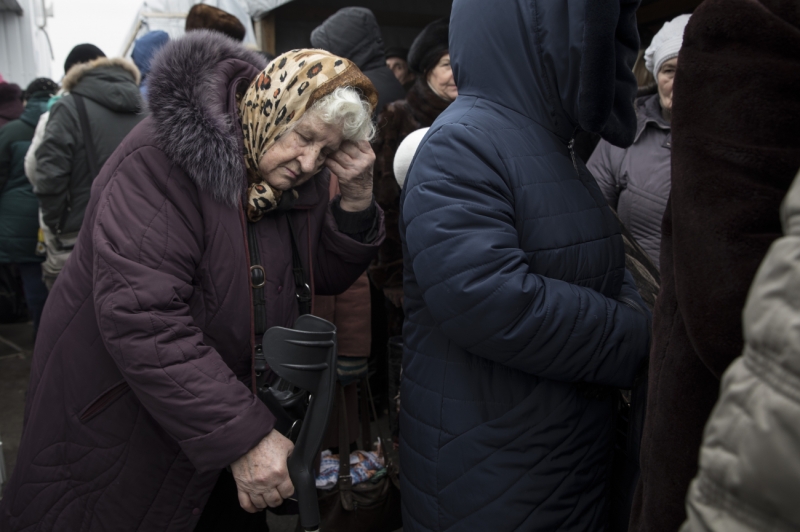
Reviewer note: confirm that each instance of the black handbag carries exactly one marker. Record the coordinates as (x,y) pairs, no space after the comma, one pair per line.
(371,506)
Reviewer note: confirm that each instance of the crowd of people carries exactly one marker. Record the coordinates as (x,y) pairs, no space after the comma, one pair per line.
(584,249)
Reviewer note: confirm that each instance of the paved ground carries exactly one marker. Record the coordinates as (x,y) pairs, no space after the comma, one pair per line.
(15,365)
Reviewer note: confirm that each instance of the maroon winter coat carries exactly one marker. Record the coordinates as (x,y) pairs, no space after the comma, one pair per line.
(140,390)
(11,106)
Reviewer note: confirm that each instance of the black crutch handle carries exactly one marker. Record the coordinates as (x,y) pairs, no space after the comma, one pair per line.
(305,356)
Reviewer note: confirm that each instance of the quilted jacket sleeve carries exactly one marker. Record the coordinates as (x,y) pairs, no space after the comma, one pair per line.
(464,249)
(604,164)
(54,163)
(147,238)
(342,259)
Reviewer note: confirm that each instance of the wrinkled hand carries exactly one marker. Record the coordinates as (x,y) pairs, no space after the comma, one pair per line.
(353,164)
(262,475)
(395,295)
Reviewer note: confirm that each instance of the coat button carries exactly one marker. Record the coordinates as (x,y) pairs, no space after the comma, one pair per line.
(280,288)
(196,511)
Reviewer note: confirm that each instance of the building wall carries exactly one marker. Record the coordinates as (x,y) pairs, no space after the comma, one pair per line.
(24,50)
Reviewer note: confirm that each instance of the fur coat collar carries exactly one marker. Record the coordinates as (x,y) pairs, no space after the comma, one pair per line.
(425,104)
(191,88)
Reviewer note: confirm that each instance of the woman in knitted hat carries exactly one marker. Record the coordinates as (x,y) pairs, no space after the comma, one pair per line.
(636,180)
(11,105)
(142,388)
(431,94)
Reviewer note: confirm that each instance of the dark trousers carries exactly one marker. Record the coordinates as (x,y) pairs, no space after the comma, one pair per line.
(223,513)
(35,290)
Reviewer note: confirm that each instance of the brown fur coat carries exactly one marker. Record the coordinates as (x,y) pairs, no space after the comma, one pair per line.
(736,149)
(420,108)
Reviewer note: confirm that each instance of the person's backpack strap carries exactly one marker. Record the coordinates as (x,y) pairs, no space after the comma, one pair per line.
(91,152)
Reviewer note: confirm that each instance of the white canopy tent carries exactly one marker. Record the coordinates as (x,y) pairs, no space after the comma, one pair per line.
(170,16)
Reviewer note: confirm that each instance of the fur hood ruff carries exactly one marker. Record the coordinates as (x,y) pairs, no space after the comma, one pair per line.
(78,71)
(187,96)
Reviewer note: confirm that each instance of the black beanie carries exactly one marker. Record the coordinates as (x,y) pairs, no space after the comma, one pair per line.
(429,46)
(41,85)
(397,51)
(83,53)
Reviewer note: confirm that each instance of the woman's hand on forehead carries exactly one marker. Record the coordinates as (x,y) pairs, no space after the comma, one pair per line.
(352,163)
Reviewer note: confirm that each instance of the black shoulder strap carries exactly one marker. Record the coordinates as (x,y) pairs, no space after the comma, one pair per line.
(258,278)
(302,289)
(91,152)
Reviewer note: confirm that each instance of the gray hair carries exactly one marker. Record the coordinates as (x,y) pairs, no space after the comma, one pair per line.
(345,107)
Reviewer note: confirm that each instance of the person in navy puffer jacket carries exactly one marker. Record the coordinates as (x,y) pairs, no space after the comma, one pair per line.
(521,316)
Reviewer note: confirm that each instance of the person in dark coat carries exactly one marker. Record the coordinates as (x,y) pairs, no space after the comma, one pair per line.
(144,49)
(11,105)
(735,152)
(353,33)
(140,389)
(521,315)
(428,57)
(636,180)
(19,209)
(55,253)
(397,61)
(110,92)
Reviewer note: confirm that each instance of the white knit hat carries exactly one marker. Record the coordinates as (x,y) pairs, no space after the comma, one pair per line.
(405,153)
(666,44)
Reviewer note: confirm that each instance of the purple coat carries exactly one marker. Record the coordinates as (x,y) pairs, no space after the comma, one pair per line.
(140,388)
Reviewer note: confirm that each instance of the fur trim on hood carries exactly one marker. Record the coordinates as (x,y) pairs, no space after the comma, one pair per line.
(187,105)
(78,71)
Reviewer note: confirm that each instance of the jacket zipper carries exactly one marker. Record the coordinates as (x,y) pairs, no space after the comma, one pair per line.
(571,147)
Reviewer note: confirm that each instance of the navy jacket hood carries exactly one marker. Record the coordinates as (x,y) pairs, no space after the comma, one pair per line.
(145,49)
(572,66)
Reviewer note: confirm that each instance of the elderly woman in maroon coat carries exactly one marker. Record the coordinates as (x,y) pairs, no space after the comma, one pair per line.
(141,390)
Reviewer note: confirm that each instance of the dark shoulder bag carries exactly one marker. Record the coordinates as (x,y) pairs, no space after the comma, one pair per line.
(88,142)
(370,506)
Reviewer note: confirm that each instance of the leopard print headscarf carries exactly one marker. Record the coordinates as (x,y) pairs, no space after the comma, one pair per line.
(278,98)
